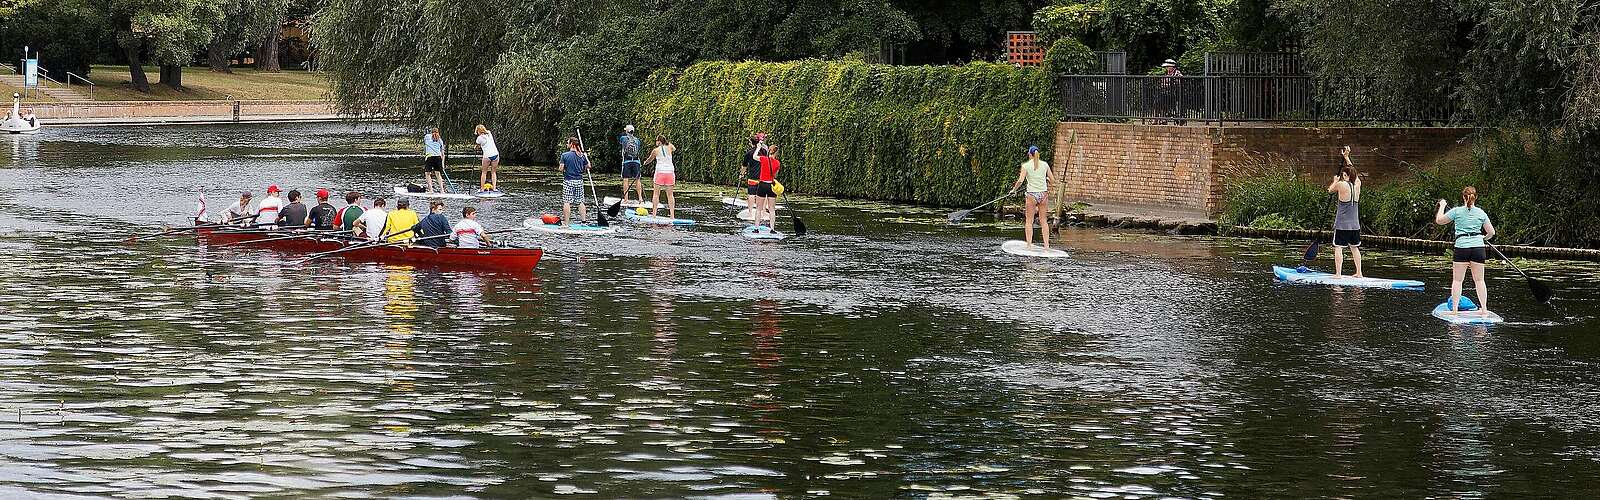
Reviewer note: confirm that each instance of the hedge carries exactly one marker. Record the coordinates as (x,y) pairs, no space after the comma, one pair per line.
(943,135)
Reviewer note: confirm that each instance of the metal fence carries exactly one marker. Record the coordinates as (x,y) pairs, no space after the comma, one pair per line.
(1165,99)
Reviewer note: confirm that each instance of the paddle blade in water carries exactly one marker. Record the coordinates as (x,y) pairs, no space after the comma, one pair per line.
(957,216)
(1541,291)
(615,209)
(799,226)
(600,220)
(1311,251)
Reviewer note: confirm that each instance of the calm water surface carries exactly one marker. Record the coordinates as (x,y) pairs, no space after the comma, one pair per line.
(884,355)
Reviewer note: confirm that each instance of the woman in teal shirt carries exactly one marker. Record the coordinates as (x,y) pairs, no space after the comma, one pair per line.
(1472,227)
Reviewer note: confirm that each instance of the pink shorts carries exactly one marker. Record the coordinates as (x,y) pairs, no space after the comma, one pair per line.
(666,178)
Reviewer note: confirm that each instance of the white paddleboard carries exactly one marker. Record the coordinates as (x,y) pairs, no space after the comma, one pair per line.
(656,220)
(742,203)
(1019,247)
(401,191)
(1467,317)
(489,194)
(747,214)
(1289,275)
(612,200)
(533,224)
(762,233)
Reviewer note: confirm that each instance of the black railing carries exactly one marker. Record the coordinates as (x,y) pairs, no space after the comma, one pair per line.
(1165,99)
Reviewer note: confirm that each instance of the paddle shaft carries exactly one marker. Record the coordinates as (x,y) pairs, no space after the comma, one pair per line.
(965,213)
(588,170)
(1540,292)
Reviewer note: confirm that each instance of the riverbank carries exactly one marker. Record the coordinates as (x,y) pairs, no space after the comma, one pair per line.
(187,112)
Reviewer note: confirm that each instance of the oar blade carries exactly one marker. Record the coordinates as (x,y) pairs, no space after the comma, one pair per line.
(799,225)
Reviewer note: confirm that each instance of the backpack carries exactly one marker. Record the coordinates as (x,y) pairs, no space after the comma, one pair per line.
(413,187)
(630,148)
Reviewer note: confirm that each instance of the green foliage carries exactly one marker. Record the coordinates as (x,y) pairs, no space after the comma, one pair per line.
(1525,182)
(948,135)
(170,32)
(1070,57)
(1079,21)
(1275,221)
(246,22)
(68,34)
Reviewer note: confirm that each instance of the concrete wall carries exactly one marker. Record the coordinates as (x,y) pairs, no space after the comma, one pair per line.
(1185,168)
(109,110)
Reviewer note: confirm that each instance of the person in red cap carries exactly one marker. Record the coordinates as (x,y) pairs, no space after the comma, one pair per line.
(321,217)
(267,211)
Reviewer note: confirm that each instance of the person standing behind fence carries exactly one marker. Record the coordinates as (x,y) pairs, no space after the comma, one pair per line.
(1171,93)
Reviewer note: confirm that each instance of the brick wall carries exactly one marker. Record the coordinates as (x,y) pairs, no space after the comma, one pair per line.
(1186,167)
(1157,165)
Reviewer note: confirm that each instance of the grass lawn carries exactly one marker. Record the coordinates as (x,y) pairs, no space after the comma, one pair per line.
(200,83)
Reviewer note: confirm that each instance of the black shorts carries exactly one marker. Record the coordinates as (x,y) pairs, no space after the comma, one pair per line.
(764,190)
(1347,237)
(630,169)
(433,164)
(1475,255)
(752,189)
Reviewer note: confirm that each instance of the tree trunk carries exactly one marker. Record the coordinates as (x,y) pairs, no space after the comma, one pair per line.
(172,76)
(267,54)
(136,71)
(217,58)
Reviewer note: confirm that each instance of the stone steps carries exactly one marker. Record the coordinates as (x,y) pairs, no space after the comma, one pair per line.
(63,94)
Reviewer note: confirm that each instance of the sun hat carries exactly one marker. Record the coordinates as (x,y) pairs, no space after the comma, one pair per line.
(1169,63)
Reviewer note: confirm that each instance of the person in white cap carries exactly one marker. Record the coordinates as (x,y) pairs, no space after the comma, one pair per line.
(267,211)
(631,166)
(1171,88)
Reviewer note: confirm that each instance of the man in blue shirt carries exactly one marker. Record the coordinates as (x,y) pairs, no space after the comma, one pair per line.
(574,163)
(433,159)
(631,167)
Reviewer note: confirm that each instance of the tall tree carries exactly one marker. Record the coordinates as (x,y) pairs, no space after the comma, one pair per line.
(170,32)
(67,34)
(244,22)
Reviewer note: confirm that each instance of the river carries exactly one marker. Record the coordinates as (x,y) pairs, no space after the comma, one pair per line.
(883,354)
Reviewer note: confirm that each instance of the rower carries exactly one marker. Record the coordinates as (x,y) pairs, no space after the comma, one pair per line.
(267,212)
(239,211)
(400,221)
(345,219)
(468,232)
(321,217)
(435,224)
(294,214)
(372,221)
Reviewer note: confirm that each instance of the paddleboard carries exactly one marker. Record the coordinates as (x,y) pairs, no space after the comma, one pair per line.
(1019,247)
(742,203)
(656,219)
(1465,316)
(582,229)
(762,233)
(612,200)
(1312,277)
(747,214)
(401,191)
(489,194)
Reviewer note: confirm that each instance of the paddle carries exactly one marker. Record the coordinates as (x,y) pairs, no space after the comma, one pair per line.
(444,167)
(799,225)
(309,234)
(957,216)
(167,231)
(1541,291)
(600,213)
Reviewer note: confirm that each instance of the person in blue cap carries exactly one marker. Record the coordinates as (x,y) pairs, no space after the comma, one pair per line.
(1036,174)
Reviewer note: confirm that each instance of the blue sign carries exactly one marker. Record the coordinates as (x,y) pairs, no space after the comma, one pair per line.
(30,73)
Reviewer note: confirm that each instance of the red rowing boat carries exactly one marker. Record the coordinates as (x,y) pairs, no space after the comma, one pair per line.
(519,260)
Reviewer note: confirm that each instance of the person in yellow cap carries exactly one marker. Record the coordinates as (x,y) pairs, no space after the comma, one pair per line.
(401,221)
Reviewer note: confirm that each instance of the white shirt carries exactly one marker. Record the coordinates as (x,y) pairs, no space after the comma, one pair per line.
(374,218)
(664,159)
(467,234)
(267,211)
(486,141)
(236,213)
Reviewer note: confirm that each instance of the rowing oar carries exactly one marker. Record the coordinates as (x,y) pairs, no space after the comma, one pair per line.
(1541,292)
(134,238)
(957,216)
(289,237)
(382,244)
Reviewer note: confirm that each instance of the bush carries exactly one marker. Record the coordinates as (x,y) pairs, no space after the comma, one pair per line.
(1279,191)
(1061,22)
(945,135)
(1070,57)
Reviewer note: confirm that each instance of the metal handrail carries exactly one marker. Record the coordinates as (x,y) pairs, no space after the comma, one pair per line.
(71,75)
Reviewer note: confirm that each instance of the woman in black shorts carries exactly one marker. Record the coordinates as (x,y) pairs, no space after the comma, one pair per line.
(1472,227)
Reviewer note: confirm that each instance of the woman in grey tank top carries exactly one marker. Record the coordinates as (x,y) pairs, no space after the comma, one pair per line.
(1346,188)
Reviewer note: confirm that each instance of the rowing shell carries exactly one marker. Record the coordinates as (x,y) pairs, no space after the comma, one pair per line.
(519,260)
